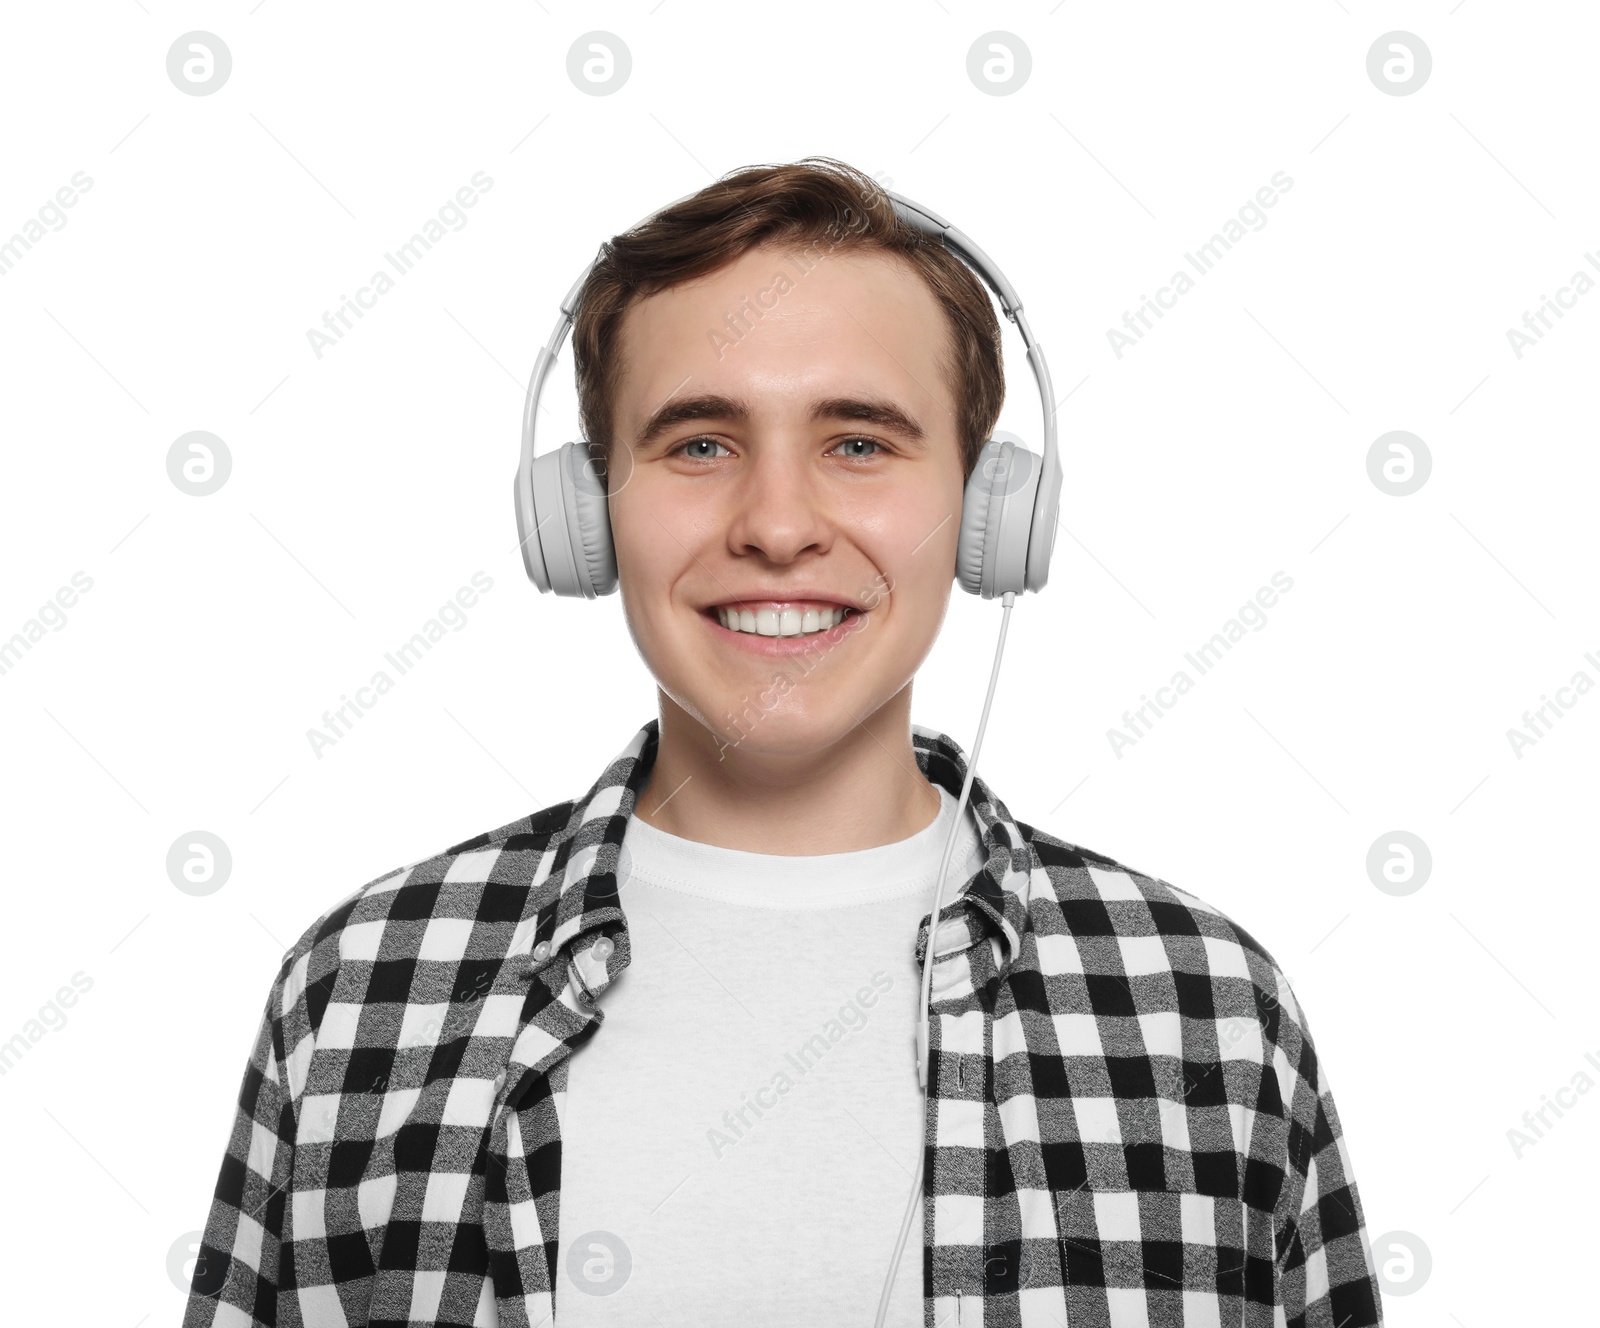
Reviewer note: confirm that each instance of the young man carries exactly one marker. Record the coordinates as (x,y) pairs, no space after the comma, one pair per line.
(646,1056)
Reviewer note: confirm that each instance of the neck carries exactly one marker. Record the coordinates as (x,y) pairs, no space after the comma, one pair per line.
(769,793)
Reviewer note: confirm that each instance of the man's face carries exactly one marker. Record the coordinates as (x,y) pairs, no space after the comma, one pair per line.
(790,489)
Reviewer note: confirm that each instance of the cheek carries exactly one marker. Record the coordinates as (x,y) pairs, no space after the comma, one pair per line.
(660,528)
(646,548)
(920,527)
(916,561)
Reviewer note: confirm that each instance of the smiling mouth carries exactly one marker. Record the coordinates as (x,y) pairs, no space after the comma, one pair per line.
(779,624)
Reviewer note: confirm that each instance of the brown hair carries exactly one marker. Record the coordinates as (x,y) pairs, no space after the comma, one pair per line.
(815,203)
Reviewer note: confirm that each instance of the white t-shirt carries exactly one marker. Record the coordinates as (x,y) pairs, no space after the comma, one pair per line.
(743,1128)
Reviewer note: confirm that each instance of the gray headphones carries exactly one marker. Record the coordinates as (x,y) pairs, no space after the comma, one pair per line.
(1008,512)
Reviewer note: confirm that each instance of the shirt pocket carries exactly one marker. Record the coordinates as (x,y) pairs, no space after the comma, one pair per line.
(1133,1258)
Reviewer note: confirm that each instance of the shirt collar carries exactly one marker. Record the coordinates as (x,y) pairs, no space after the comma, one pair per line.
(593,859)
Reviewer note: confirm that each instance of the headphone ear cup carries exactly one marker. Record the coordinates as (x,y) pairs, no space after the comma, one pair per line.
(997,518)
(974,524)
(569,551)
(590,511)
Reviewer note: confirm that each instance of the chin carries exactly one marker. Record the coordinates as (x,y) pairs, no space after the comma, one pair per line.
(777,722)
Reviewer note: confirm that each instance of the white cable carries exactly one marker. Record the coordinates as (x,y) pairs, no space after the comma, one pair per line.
(921,1040)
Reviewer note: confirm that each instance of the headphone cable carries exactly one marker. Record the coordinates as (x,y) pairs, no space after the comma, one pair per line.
(921,1036)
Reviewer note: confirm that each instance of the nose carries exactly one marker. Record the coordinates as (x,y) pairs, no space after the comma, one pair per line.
(780,507)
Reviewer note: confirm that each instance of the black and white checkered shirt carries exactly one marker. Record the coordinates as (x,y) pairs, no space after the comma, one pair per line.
(1127,1123)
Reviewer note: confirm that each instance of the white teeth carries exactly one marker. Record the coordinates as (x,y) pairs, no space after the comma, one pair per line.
(772,622)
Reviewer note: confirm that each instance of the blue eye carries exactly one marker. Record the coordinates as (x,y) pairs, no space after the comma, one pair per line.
(690,443)
(682,448)
(873,441)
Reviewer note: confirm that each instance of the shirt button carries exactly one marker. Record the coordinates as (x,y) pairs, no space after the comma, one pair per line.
(499,1081)
(542,950)
(602,948)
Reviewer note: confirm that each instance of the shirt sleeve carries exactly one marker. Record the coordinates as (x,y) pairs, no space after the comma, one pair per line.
(1324,1272)
(236,1274)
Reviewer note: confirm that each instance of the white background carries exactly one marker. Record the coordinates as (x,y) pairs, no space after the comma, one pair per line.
(369,484)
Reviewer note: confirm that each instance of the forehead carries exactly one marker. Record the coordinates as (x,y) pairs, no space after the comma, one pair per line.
(781,325)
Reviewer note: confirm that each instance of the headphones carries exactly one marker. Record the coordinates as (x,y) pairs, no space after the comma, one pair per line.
(1008,532)
(1008,512)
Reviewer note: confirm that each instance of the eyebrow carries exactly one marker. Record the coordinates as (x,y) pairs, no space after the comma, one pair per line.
(714,406)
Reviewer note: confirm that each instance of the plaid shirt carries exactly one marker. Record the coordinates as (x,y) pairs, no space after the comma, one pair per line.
(1126,1124)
